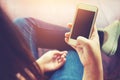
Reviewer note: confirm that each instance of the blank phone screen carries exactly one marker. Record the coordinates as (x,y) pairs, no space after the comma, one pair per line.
(82,23)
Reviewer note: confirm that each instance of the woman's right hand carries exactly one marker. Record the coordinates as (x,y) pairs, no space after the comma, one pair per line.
(52,60)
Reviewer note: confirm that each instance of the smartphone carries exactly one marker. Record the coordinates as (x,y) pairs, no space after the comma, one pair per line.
(83,22)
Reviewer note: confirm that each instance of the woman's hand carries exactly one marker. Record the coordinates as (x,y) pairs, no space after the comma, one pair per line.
(52,60)
(87,49)
(90,55)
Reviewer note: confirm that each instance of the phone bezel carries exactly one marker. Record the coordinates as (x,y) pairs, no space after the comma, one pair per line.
(84,7)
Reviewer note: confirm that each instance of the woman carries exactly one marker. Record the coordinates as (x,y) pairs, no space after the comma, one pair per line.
(14,58)
(17,62)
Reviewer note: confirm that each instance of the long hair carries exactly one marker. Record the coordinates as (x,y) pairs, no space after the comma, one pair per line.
(16,60)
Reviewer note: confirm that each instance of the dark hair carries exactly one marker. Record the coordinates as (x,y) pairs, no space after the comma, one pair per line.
(15,57)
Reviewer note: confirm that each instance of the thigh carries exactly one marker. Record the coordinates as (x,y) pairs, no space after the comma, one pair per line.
(71,70)
(49,35)
(42,34)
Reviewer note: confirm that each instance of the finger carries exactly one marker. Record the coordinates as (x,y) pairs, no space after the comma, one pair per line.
(69,25)
(64,55)
(59,57)
(67,34)
(66,40)
(61,60)
(64,52)
(82,41)
(59,53)
(79,49)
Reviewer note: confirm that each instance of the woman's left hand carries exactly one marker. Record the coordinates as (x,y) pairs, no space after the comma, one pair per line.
(89,54)
(52,60)
(87,49)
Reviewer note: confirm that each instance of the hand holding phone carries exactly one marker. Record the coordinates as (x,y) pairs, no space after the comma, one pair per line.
(83,23)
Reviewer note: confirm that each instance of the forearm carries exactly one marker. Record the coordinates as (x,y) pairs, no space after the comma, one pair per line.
(38,61)
(93,72)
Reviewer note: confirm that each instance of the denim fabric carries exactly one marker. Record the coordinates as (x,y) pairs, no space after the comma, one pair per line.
(71,70)
(27,29)
(41,34)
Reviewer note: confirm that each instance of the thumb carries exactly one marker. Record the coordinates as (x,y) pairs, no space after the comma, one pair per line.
(82,41)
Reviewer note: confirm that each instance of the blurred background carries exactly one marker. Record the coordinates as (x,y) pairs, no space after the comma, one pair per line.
(61,12)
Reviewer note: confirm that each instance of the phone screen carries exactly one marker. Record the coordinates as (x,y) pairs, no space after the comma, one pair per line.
(82,23)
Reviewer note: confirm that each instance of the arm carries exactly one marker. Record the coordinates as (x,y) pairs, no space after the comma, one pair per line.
(94,69)
(93,72)
(52,60)
(90,55)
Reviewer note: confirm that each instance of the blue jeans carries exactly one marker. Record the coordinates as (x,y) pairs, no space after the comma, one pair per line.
(71,70)
(41,34)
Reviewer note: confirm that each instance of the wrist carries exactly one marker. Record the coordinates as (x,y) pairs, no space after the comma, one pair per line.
(93,72)
(41,66)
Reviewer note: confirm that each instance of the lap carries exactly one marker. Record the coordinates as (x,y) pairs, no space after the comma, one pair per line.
(71,70)
(53,38)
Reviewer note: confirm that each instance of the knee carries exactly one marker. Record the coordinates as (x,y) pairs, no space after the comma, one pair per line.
(19,21)
(23,23)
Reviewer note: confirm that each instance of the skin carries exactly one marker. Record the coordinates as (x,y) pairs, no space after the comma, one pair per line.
(89,54)
(88,51)
(52,60)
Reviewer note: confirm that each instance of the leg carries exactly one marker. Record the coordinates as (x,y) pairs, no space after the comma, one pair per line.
(44,35)
(49,35)
(71,70)
(52,36)
(111,38)
(28,32)
(41,34)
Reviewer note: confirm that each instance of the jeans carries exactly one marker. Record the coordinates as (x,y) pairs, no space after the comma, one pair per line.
(41,34)
(71,70)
